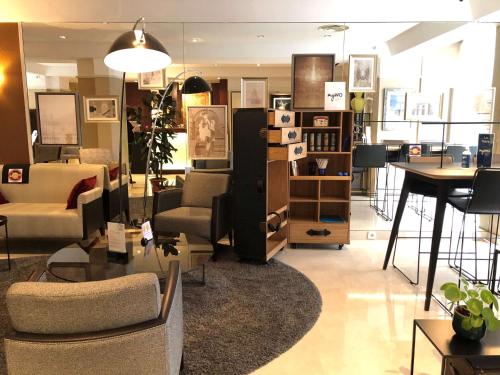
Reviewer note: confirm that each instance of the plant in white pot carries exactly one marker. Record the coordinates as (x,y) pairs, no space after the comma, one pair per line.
(476,309)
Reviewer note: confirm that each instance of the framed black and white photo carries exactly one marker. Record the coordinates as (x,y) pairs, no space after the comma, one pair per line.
(58,117)
(281,101)
(207,132)
(362,73)
(152,80)
(309,74)
(101,108)
(254,93)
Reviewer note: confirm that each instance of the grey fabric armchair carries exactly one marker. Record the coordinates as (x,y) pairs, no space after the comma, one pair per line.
(201,207)
(118,326)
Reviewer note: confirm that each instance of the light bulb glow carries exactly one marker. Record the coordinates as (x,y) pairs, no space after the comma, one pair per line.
(137,60)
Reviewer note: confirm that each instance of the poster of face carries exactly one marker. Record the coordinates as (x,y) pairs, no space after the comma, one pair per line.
(207,132)
(101,109)
(362,73)
(254,93)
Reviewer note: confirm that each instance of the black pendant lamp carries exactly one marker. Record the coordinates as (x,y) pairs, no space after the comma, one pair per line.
(195,85)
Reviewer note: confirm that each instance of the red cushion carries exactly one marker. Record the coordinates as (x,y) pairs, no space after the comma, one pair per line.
(113,173)
(2,199)
(81,187)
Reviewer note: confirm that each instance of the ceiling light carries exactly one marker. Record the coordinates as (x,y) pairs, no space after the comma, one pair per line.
(196,40)
(62,36)
(258,64)
(260,36)
(327,35)
(218,77)
(334,28)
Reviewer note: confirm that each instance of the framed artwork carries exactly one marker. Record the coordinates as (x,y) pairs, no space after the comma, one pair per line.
(235,99)
(101,109)
(207,132)
(280,101)
(193,100)
(152,80)
(58,115)
(309,74)
(393,108)
(484,101)
(424,106)
(362,73)
(254,93)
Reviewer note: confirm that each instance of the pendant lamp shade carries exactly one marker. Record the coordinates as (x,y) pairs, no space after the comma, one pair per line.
(137,52)
(195,85)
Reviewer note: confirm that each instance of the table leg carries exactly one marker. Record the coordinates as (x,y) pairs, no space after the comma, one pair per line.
(397,219)
(412,366)
(442,196)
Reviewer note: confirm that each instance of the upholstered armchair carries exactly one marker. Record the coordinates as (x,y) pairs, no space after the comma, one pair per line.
(118,326)
(110,197)
(201,207)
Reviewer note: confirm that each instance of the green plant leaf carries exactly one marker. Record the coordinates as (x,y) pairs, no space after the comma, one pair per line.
(448,285)
(452,293)
(476,322)
(493,324)
(466,324)
(472,293)
(489,298)
(475,306)
(463,295)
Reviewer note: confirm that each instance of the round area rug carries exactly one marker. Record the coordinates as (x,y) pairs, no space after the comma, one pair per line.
(245,316)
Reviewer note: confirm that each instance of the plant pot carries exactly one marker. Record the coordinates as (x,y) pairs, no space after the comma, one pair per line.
(157,184)
(473,334)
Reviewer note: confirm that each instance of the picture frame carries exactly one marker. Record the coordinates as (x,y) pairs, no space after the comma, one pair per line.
(193,100)
(424,106)
(102,108)
(152,80)
(207,132)
(394,108)
(307,93)
(362,73)
(58,116)
(254,92)
(281,101)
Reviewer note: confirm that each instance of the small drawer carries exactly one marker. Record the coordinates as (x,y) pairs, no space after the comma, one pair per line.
(319,233)
(284,136)
(281,119)
(290,152)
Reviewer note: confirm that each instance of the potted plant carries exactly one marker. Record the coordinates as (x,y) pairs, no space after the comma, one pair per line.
(162,147)
(475,310)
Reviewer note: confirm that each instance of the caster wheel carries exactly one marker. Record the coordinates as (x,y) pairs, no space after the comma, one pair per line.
(341,245)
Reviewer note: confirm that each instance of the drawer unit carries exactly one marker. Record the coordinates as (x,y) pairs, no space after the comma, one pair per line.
(294,151)
(319,233)
(281,119)
(284,135)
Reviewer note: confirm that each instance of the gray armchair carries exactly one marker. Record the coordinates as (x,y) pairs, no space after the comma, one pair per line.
(117,326)
(201,207)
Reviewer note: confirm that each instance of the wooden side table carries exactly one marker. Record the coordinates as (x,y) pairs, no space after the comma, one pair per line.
(449,345)
(3,222)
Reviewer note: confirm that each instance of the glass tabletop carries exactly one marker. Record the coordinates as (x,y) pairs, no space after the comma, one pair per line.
(74,264)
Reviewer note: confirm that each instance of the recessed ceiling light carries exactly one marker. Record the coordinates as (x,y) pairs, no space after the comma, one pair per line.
(334,28)
(258,64)
(196,40)
(218,77)
(327,35)
(260,36)
(62,36)
(215,64)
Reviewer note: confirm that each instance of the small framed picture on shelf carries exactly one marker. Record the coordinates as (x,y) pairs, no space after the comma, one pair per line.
(254,93)
(152,80)
(320,121)
(362,73)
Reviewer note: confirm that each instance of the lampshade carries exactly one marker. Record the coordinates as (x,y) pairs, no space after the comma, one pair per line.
(137,53)
(195,85)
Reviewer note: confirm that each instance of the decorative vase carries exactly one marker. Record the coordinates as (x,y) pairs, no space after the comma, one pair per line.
(473,334)
(157,184)
(358,103)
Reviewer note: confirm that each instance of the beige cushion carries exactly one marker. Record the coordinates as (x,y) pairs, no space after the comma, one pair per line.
(51,183)
(41,220)
(200,188)
(194,220)
(58,308)
(96,156)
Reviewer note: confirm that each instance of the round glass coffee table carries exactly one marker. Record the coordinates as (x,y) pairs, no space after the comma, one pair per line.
(74,264)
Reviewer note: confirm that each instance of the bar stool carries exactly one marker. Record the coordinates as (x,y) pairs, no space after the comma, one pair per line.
(483,199)
(367,156)
(3,222)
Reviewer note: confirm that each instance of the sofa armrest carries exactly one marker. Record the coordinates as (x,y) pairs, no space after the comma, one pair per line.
(166,200)
(87,197)
(221,216)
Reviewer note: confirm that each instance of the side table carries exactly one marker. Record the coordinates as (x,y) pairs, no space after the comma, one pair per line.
(449,345)
(3,222)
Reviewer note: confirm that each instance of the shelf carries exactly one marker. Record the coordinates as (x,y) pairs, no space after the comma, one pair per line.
(320,127)
(302,199)
(273,246)
(329,152)
(334,199)
(321,178)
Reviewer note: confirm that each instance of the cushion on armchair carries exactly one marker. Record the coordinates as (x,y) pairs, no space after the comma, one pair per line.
(200,188)
(194,220)
(80,187)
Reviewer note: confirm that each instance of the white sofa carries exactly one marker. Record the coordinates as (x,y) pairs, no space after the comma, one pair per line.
(38,209)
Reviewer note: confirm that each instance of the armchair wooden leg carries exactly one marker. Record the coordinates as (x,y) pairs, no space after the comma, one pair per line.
(214,256)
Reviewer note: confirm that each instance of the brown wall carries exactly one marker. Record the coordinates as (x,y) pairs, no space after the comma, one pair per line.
(15,143)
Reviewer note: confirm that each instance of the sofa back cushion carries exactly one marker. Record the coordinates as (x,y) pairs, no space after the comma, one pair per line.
(200,188)
(51,183)
(59,308)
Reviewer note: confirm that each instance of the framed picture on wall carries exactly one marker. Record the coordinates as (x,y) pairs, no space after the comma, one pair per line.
(362,73)
(424,106)
(58,115)
(283,103)
(254,93)
(394,107)
(207,132)
(193,100)
(309,74)
(152,80)
(101,108)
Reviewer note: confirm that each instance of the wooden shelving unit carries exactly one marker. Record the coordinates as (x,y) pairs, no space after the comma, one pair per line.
(315,201)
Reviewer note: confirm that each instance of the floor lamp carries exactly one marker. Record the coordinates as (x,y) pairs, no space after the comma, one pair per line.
(134,51)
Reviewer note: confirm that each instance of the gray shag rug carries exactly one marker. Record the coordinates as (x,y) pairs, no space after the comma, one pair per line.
(245,316)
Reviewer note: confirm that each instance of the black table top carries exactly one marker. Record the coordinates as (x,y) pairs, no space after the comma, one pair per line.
(441,334)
